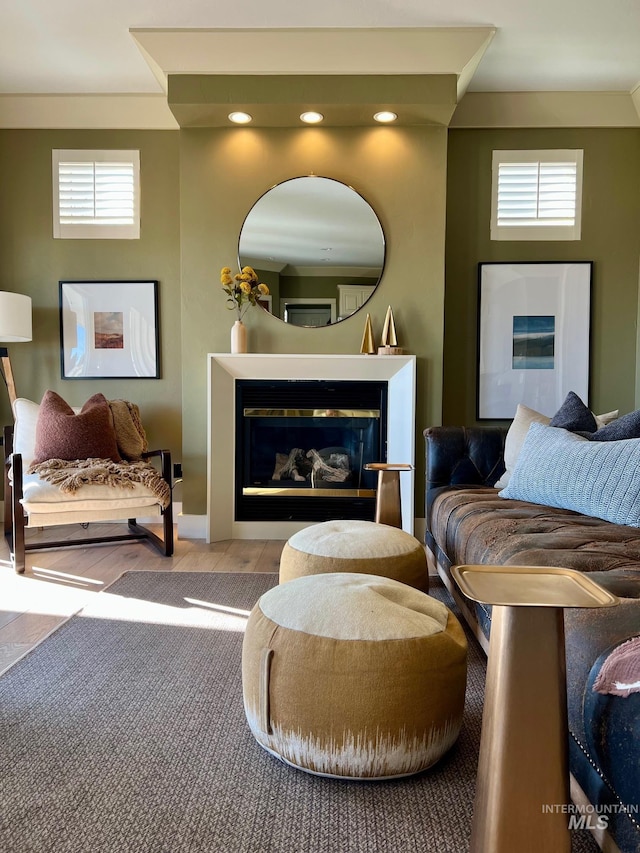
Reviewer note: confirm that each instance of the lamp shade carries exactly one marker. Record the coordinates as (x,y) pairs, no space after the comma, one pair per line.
(15,317)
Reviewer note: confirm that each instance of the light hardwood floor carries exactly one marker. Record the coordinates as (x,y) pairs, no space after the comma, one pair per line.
(59,582)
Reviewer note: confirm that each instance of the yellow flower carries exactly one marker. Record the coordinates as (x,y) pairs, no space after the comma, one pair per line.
(242,289)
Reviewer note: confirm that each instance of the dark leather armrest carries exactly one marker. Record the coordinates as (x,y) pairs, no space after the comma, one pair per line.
(470,456)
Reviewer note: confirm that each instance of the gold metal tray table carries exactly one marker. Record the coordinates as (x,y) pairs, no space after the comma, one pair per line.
(524,764)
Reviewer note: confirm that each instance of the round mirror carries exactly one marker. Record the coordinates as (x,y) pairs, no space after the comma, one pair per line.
(319,247)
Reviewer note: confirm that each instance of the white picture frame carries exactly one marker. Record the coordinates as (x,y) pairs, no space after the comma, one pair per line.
(533,336)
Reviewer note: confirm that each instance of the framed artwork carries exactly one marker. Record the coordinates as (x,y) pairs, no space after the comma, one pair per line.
(109,330)
(533,336)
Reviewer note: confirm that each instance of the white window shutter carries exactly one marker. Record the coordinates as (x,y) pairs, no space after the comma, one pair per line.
(96,194)
(536,195)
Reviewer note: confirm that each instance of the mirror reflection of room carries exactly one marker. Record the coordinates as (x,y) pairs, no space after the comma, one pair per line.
(318,245)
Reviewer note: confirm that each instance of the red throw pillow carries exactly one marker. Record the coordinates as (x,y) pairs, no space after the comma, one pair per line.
(63,434)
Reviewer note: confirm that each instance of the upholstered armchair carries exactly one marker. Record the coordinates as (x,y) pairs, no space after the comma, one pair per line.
(67,466)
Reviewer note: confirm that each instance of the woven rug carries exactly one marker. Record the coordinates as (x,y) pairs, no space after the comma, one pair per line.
(124,732)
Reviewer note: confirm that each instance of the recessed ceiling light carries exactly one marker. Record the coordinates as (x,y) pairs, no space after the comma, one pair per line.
(240,118)
(385,116)
(312,117)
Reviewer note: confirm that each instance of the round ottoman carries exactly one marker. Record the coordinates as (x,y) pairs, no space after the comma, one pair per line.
(354,676)
(355,546)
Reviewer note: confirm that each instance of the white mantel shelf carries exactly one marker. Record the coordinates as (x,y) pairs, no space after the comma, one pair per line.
(224,369)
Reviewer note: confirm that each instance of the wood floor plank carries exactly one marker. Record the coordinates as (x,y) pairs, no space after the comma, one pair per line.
(269,560)
(7,616)
(11,652)
(200,561)
(65,564)
(241,556)
(30,628)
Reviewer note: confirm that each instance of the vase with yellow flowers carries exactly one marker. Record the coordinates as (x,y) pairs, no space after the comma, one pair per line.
(243,289)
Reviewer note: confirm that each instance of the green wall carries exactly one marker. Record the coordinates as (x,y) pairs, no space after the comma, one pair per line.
(32,262)
(400,171)
(610,238)
(198,184)
(325,286)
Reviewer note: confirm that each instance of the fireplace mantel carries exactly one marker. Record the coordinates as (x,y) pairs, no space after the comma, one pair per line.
(222,371)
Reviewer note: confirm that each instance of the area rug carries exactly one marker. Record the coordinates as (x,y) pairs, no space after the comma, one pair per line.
(124,732)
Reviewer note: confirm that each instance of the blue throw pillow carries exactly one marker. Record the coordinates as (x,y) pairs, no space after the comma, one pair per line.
(600,478)
(574,415)
(628,426)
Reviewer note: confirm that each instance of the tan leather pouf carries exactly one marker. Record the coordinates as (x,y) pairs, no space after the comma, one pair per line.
(355,546)
(354,676)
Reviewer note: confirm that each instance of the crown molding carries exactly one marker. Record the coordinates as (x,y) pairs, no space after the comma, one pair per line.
(475,110)
(90,112)
(277,100)
(328,51)
(547,109)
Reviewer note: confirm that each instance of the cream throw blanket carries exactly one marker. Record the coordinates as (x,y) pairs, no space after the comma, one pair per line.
(71,476)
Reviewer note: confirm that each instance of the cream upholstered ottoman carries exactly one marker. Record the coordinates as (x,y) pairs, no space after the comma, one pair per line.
(355,546)
(353,676)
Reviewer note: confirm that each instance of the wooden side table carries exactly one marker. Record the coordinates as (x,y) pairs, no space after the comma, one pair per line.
(388,506)
(524,764)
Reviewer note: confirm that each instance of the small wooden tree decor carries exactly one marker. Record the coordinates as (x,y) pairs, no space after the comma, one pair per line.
(368,347)
(389,341)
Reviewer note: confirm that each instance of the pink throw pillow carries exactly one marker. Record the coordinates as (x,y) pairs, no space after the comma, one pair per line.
(63,434)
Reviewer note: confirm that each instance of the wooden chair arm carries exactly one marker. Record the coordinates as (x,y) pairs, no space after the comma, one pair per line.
(7,441)
(165,462)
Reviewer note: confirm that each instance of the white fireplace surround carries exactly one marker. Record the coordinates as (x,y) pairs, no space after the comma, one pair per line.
(399,371)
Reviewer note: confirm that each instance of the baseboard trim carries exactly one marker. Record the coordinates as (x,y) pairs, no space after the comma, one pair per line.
(191,526)
(195,526)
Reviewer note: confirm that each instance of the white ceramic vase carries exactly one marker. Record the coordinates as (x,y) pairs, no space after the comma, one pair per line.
(238,337)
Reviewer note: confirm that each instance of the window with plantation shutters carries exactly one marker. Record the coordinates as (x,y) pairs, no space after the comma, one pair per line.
(96,194)
(536,195)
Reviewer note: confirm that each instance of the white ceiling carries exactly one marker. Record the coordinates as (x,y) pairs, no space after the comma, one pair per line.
(80,47)
(313,221)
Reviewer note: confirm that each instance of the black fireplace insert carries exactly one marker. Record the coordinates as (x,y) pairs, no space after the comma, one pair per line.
(301,448)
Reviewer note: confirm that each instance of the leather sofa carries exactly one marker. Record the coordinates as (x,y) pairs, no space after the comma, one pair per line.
(467,522)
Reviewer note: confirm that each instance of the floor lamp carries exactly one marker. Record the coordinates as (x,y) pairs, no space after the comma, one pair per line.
(15,327)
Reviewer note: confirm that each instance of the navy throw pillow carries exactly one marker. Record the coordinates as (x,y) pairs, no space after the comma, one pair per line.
(628,426)
(574,416)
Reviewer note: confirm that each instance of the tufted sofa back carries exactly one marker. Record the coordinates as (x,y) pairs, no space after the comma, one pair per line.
(470,456)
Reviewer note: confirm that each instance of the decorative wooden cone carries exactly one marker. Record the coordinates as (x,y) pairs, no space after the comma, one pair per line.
(368,347)
(389,342)
(389,338)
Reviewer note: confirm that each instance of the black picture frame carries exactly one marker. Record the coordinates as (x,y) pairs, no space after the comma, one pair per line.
(109,329)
